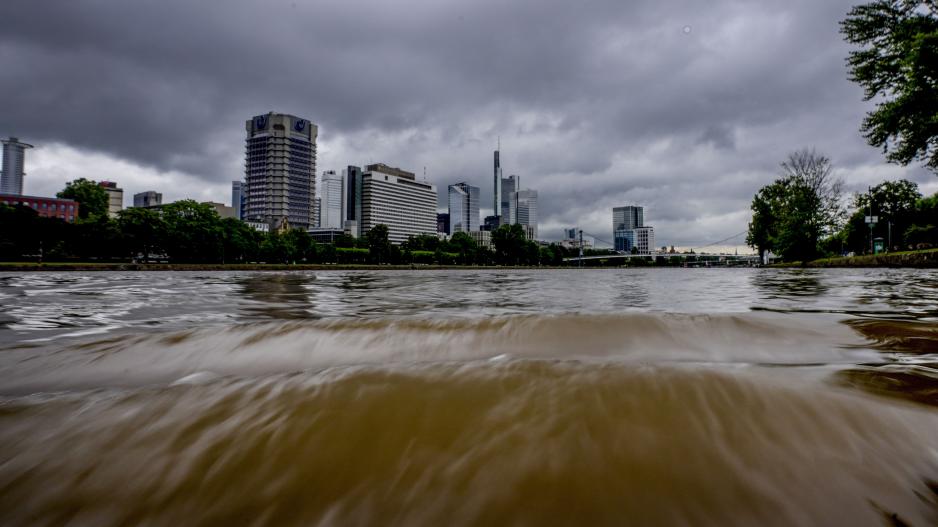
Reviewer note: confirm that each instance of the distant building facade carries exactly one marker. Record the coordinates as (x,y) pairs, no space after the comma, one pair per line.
(509,185)
(224,211)
(392,197)
(497,196)
(482,238)
(332,200)
(630,234)
(149,198)
(64,209)
(237,198)
(523,210)
(490,223)
(463,208)
(280,170)
(115,197)
(442,223)
(14,162)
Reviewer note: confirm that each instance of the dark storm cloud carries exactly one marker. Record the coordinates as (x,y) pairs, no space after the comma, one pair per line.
(681,106)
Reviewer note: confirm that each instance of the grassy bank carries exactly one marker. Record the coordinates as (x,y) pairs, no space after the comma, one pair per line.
(921,259)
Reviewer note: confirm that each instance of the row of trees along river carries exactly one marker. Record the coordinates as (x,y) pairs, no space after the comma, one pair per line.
(803,214)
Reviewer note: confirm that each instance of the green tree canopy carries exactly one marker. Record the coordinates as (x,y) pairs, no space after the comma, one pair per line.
(193,232)
(792,215)
(142,229)
(897,65)
(378,245)
(92,198)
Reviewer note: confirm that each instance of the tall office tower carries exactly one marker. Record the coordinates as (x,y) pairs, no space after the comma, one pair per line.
(280,170)
(115,197)
(629,217)
(11,179)
(393,197)
(317,213)
(237,197)
(523,210)
(149,198)
(509,184)
(463,208)
(630,232)
(497,179)
(332,199)
(353,199)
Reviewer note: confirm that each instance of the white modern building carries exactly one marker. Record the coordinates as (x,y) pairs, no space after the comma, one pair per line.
(645,240)
(280,170)
(14,154)
(463,208)
(332,200)
(392,197)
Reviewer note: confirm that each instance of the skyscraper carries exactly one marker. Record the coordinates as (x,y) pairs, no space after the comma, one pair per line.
(237,197)
(11,179)
(509,184)
(332,201)
(628,217)
(353,199)
(497,184)
(149,198)
(523,210)
(463,208)
(280,170)
(629,231)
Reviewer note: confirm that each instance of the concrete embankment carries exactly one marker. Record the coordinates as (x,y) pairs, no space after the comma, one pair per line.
(921,259)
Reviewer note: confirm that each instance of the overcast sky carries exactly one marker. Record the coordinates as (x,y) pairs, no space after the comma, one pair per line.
(683,107)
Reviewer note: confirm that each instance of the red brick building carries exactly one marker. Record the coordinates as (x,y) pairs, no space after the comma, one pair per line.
(65,209)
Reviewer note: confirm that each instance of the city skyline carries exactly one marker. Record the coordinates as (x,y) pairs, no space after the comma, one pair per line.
(685,109)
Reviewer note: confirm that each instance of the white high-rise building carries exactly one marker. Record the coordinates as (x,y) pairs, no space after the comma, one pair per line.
(280,170)
(523,210)
(463,208)
(393,197)
(332,200)
(14,154)
(645,240)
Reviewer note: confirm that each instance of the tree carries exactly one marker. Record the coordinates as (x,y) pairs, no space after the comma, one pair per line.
(792,215)
(240,242)
(193,232)
(766,210)
(509,243)
(92,198)
(894,202)
(141,229)
(465,246)
(897,64)
(378,245)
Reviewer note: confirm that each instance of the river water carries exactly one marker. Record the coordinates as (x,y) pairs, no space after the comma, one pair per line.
(562,397)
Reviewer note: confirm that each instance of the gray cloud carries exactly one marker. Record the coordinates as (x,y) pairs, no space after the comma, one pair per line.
(597,103)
